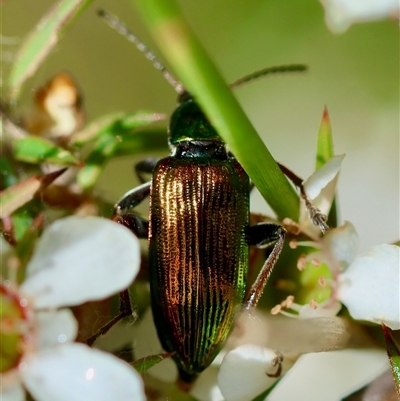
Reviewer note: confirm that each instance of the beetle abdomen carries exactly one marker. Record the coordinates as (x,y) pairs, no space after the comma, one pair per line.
(198,256)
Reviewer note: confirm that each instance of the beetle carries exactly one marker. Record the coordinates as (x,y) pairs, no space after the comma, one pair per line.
(198,235)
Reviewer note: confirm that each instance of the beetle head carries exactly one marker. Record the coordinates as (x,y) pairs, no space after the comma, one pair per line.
(189,123)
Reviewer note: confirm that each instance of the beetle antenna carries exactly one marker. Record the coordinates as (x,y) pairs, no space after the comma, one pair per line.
(268,71)
(116,24)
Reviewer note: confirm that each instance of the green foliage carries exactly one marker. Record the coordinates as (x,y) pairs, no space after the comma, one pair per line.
(42,39)
(110,135)
(19,194)
(36,150)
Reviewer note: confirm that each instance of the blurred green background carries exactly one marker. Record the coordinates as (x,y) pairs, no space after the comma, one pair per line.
(356,75)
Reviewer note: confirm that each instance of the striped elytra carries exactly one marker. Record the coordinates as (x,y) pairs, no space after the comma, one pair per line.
(199,210)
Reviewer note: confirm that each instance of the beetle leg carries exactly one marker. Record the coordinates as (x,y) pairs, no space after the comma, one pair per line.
(132,199)
(145,166)
(264,235)
(139,226)
(317,217)
(125,309)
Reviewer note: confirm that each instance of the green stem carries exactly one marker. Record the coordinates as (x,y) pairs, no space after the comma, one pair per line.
(200,77)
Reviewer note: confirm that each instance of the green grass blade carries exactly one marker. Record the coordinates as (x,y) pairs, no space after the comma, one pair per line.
(194,68)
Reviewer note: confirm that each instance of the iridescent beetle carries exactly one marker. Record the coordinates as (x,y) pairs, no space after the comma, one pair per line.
(198,233)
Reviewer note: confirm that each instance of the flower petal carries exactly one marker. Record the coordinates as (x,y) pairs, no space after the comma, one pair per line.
(343,243)
(292,336)
(370,287)
(81,259)
(75,372)
(56,327)
(340,14)
(320,188)
(11,390)
(206,386)
(330,376)
(322,177)
(244,372)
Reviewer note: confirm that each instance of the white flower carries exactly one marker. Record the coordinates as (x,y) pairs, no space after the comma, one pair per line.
(76,260)
(367,284)
(330,376)
(320,187)
(370,286)
(340,14)
(248,370)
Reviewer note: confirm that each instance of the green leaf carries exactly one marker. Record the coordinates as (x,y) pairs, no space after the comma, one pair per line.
(325,141)
(41,40)
(21,220)
(19,194)
(125,122)
(393,351)
(104,148)
(324,153)
(8,175)
(144,141)
(144,364)
(25,245)
(186,55)
(108,142)
(36,150)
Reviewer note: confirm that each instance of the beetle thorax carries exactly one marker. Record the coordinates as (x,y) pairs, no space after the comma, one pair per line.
(188,123)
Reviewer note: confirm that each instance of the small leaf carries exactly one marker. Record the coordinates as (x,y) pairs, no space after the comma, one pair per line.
(33,149)
(139,119)
(393,350)
(120,123)
(144,364)
(25,245)
(22,218)
(325,141)
(16,196)
(142,141)
(108,142)
(8,175)
(41,40)
(94,129)
(324,153)
(105,148)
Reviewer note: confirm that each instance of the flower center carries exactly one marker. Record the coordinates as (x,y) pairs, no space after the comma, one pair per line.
(13,326)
